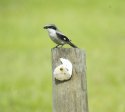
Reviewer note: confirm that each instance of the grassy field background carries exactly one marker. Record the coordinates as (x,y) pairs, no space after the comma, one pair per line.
(25,51)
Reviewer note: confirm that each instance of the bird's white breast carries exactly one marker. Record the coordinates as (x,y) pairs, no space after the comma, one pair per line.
(53,36)
(52,32)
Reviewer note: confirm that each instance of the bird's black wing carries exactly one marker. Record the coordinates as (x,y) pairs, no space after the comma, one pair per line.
(62,37)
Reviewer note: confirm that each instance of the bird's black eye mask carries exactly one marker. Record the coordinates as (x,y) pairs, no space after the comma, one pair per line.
(52,27)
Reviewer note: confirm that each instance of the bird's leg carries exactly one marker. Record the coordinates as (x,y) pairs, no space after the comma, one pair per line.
(59,45)
(62,45)
(56,46)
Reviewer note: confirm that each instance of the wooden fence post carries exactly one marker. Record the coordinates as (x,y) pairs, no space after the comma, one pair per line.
(70,95)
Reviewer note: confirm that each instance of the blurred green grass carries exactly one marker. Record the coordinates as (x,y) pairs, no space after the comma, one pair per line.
(25,51)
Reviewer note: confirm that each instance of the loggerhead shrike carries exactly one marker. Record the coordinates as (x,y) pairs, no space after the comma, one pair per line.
(57,37)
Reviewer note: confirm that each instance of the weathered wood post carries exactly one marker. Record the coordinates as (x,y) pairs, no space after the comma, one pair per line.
(70,95)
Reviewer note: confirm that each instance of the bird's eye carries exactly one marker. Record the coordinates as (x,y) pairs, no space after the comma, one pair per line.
(53,27)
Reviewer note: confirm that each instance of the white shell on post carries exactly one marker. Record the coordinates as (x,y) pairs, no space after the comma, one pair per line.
(63,71)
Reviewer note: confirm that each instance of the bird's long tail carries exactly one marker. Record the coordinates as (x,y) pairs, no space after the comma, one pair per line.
(73,45)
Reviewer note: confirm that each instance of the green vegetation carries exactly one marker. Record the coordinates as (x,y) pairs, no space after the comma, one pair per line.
(25,51)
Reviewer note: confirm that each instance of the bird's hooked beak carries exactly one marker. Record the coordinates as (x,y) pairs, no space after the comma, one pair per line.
(45,27)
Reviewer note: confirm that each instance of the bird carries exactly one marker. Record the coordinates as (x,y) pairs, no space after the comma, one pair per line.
(57,37)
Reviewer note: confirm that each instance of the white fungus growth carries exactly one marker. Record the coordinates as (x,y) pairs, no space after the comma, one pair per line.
(63,71)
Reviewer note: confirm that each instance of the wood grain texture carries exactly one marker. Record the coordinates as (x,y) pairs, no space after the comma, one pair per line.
(71,95)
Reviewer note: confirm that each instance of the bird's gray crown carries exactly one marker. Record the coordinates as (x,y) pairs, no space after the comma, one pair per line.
(52,26)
